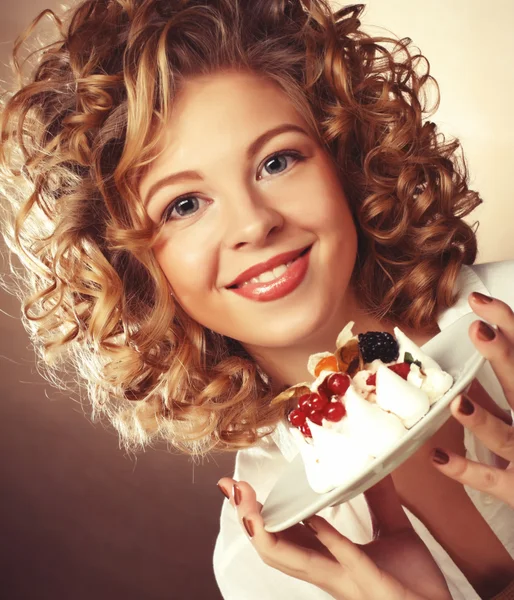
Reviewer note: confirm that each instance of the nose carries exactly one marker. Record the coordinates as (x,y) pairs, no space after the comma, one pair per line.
(251,221)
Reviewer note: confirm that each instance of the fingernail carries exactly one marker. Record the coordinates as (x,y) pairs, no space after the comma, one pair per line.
(485,333)
(465,406)
(223,490)
(309,525)
(237,494)
(248,526)
(482,298)
(440,457)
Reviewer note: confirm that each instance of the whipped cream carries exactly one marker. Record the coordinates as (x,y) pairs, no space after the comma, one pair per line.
(398,396)
(319,458)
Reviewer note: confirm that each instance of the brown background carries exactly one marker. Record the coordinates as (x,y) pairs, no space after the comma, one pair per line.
(81,520)
(78,518)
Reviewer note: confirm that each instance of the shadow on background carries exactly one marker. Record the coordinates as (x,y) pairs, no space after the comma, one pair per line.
(79,518)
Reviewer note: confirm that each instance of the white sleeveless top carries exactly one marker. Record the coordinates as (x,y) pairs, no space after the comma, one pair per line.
(239,571)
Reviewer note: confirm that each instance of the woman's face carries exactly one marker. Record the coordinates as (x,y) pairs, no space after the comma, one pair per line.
(259,243)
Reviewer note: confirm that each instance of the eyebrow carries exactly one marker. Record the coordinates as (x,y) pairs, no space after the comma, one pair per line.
(252,150)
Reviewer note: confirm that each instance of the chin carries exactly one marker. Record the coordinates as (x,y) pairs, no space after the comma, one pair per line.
(295,327)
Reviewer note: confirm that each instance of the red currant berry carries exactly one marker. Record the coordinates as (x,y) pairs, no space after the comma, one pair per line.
(305,429)
(338,383)
(323,389)
(401,369)
(319,400)
(297,417)
(315,416)
(372,379)
(334,411)
(304,402)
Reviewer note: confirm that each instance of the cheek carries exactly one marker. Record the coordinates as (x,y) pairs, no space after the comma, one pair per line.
(188,266)
(320,203)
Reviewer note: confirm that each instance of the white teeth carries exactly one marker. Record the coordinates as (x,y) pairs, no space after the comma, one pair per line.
(266,276)
(269,275)
(280,270)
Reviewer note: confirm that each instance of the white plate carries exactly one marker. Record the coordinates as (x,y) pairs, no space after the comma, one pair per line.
(292,499)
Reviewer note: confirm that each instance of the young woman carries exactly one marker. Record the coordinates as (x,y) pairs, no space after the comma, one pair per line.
(204,194)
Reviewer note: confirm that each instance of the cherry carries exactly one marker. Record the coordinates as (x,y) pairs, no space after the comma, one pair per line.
(401,369)
(297,417)
(315,416)
(334,411)
(319,400)
(305,429)
(338,383)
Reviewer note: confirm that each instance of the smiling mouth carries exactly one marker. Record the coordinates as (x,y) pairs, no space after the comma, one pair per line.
(271,275)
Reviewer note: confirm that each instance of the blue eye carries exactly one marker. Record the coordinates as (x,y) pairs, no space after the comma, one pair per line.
(278,163)
(187,206)
(181,208)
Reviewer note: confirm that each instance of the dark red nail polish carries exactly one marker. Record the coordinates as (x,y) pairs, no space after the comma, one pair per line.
(440,457)
(482,298)
(237,495)
(485,333)
(309,525)
(466,407)
(248,526)
(223,490)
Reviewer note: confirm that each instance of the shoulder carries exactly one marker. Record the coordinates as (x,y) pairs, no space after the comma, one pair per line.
(498,278)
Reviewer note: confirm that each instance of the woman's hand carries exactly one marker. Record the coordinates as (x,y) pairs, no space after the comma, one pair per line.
(493,433)
(481,415)
(396,565)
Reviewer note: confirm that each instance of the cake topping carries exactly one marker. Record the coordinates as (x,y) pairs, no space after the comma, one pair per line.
(329,363)
(321,361)
(338,383)
(365,365)
(402,369)
(410,360)
(378,344)
(334,411)
(297,417)
(305,429)
(349,358)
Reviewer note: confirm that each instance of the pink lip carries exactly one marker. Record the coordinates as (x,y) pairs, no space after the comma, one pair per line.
(280,287)
(256,270)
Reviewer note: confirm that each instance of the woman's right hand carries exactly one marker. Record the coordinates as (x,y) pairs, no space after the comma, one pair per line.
(396,565)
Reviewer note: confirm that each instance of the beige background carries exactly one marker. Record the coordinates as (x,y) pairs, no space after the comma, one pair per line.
(470,49)
(81,520)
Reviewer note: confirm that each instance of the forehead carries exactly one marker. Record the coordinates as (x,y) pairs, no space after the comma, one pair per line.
(229,99)
(220,113)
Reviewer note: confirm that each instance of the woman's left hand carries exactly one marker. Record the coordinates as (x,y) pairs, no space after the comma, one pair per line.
(478,412)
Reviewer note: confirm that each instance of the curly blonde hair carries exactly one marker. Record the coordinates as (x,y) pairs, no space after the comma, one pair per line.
(79,133)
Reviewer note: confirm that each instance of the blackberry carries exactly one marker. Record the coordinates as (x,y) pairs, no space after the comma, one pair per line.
(378,344)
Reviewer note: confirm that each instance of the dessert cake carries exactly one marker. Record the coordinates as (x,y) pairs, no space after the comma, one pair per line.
(364,398)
